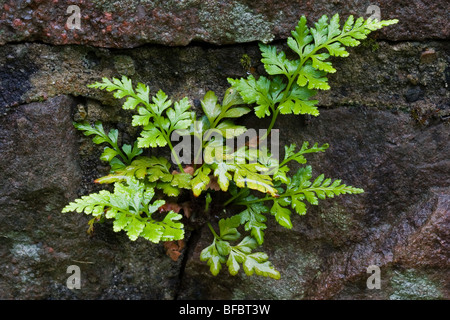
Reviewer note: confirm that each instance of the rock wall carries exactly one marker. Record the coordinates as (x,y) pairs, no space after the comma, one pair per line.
(130,23)
(385,117)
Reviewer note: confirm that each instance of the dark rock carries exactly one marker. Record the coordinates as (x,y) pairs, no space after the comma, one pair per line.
(15,76)
(41,174)
(193,70)
(400,223)
(400,158)
(428,56)
(413,94)
(130,23)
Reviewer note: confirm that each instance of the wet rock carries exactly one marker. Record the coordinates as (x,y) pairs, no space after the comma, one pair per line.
(131,23)
(412,286)
(400,222)
(413,94)
(41,174)
(428,56)
(400,158)
(193,70)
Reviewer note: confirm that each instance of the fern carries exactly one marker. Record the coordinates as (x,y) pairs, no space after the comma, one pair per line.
(259,185)
(117,157)
(294,82)
(221,251)
(131,209)
(155,171)
(158,119)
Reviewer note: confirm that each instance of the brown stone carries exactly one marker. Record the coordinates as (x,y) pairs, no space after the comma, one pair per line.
(131,23)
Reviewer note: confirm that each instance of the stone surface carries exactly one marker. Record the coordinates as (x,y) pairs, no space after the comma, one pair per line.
(130,23)
(41,173)
(398,79)
(400,223)
(385,117)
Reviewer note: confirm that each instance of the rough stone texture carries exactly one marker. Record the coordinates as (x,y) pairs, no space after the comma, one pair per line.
(399,223)
(385,117)
(40,173)
(399,80)
(130,23)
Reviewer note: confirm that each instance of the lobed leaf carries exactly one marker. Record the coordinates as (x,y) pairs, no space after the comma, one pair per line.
(131,208)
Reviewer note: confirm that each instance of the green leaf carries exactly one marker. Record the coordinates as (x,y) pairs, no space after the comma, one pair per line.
(143,92)
(252,262)
(297,106)
(231,98)
(201,179)
(255,263)
(249,176)
(334,27)
(301,188)
(349,41)
(301,37)
(153,232)
(142,118)
(181,180)
(168,189)
(108,154)
(229,130)
(254,220)
(290,153)
(213,258)
(335,49)
(123,88)
(314,65)
(236,112)
(228,229)
(301,178)
(298,206)
(223,176)
(274,63)
(173,230)
(131,152)
(151,136)
(233,262)
(314,78)
(319,63)
(134,228)
(161,102)
(281,174)
(155,169)
(252,91)
(223,247)
(247,245)
(180,118)
(92,204)
(116,164)
(131,208)
(319,33)
(139,168)
(97,130)
(210,107)
(282,215)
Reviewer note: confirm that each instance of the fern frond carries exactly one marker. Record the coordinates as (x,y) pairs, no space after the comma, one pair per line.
(131,209)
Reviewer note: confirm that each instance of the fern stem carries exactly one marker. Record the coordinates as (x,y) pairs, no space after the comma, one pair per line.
(234,197)
(216,236)
(121,154)
(284,195)
(304,59)
(272,123)
(175,156)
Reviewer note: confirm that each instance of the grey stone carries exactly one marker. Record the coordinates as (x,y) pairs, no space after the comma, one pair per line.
(392,143)
(41,173)
(131,23)
(327,252)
